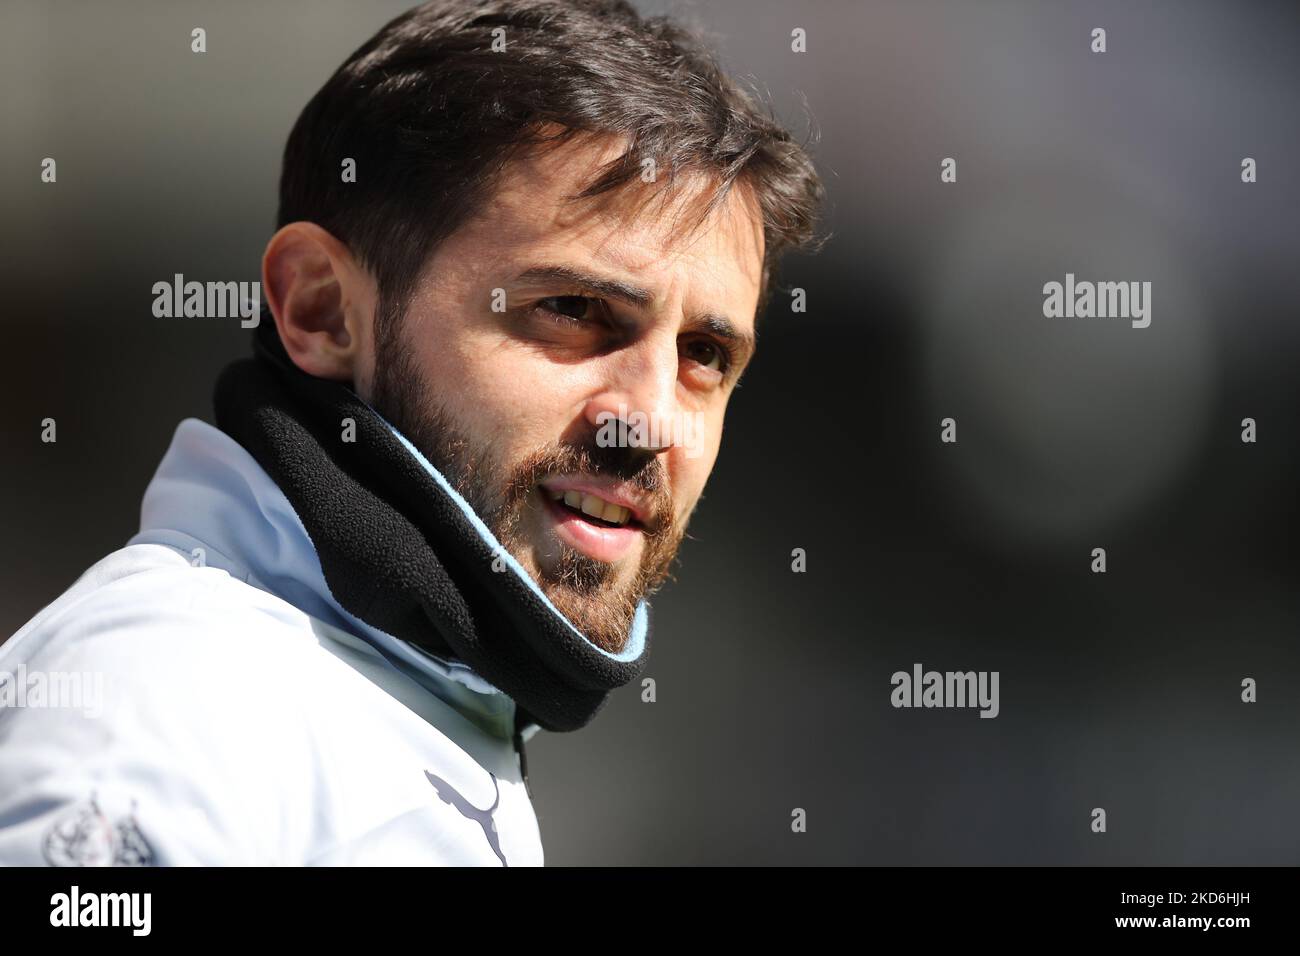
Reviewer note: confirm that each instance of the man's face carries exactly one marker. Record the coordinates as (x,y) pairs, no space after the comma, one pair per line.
(539,326)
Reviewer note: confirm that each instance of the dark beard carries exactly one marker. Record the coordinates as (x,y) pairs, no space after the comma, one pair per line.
(583,589)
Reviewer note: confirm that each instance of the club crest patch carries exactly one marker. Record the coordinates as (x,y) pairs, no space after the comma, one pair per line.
(84,836)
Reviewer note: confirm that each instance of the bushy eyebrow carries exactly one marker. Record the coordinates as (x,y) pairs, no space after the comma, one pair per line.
(724,328)
(708,322)
(601,285)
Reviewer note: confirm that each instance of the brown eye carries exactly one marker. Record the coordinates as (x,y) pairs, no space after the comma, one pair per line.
(580,308)
(706,353)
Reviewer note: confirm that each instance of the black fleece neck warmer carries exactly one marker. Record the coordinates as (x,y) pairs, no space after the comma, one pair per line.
(403,552)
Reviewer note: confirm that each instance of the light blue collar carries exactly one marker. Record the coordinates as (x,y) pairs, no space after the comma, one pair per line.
(209,493)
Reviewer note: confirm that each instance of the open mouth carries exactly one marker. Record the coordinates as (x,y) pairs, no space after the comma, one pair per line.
(602,530)
(593,509)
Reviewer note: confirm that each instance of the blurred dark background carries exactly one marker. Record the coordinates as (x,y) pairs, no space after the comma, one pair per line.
(1119,690)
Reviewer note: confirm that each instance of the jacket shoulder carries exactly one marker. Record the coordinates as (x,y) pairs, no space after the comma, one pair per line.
(174,688)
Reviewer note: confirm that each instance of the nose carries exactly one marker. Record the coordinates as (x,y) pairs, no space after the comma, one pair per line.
(637,403)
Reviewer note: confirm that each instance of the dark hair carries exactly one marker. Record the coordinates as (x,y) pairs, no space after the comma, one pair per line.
(431,114)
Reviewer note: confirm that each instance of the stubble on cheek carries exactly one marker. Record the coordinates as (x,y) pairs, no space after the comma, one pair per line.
(598,598)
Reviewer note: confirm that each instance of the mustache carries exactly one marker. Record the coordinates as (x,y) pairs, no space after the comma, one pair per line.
(641,469)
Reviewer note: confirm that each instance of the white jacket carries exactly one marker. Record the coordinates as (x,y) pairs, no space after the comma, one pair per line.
(199,697)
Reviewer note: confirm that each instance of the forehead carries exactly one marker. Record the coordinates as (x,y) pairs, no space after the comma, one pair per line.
(654,235)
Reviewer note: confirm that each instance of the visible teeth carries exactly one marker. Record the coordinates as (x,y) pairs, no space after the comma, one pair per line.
(593,506)
(616,514)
